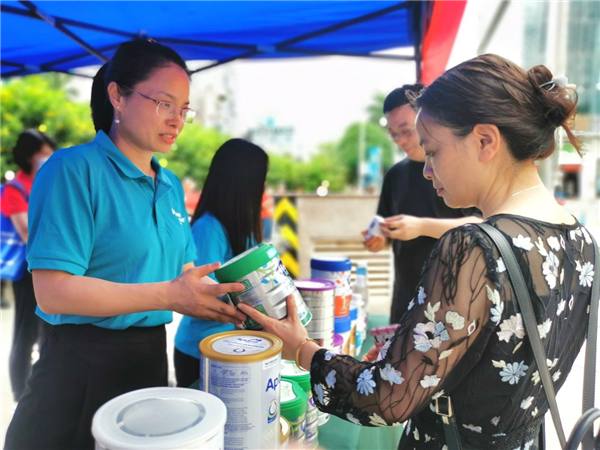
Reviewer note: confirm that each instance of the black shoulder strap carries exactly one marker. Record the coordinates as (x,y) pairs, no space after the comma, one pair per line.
(524,302)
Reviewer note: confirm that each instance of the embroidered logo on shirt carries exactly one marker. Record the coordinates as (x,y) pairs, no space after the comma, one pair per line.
(179,217)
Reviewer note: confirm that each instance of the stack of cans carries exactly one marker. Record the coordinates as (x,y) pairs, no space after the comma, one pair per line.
(318,295)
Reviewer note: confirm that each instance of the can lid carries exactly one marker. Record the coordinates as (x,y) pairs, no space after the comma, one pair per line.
(353,312)
(291,372)
(361,269)
(315,285)
(245,263)
(331,264)
(293,400)
(157,418)
(240,346)
(342,324)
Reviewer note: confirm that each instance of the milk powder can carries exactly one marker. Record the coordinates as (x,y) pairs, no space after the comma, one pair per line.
(242,369)
(267,284)
(284,433)
(293,408)
(338,271)
(291,372)
(160,418)
(343,326)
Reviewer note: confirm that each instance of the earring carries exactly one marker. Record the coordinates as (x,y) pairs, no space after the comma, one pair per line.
(117,119)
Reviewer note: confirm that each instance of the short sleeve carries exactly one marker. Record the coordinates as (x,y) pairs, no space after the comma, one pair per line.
(211,242)
(454,311)
(61,221)
(13,201)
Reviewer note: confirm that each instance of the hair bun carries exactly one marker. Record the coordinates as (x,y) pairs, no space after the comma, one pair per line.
(553,94)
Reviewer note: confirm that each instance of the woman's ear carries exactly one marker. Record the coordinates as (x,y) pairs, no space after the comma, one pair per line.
(488,141)
(114,95)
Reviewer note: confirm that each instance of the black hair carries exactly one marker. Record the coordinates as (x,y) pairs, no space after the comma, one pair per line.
(233,191)
(527,107)
(29,143)
(133,63)
(398,97)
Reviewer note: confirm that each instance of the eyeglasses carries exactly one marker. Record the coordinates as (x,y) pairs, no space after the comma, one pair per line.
(401,134)
(167,110)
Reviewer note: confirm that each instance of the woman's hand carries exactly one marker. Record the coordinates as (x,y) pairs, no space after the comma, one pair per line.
(371,355)
(194,294)
(374,244)
(290,330)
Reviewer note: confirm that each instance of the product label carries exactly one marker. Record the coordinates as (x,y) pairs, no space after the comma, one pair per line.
(287,391)
(241,345)
(251,323)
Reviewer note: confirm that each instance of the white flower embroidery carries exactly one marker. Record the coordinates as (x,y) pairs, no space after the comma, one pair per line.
(501,267)
(523,242)
(353,419)
(318,388)
(365,383)
(586,235)
(472,428)
(517,347)
(388,373)
(513,325)
(456,320)
(535,377)
(396,424)
(553,243)
(575,234)
(430,381)
(499,364)
(556,376)
(578,265)
(329,355)
(384,350)
(437,395)
(430,335)
(427,437)
(552,364)
(493,295)
(513,372)
(471,328)
(446,353)
(540,246)
(586,277)
(561,307)
(497,313)
(422,295)
(377,421)
(330,379)
(416,434)
(544,328)
(550,269)
(562,275)
(407,426)
(571,303)
(534,412)
(411,305)
(495,421)
(528,445)
(431,310)
(526,404)
(562,242)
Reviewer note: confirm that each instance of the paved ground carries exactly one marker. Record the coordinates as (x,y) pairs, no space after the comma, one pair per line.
(569,398)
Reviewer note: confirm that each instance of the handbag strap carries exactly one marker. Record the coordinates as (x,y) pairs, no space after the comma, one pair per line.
(524,301)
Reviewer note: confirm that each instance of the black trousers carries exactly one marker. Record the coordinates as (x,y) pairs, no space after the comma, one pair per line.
(81,367)
(28,330)
(187,369)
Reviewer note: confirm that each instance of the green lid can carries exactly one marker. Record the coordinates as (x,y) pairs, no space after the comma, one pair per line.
(293,401)
(266,281)
(290,371)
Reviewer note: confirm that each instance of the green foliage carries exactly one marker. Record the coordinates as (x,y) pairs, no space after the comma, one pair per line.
(375,109)
(41,102)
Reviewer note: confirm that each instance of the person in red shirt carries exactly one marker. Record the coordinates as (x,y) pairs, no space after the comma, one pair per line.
(32,150)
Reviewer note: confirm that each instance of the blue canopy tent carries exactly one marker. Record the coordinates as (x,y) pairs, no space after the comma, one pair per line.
(63,36)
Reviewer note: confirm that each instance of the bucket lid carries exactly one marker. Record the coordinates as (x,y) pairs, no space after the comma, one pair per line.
(331,264)
(160,417)
(315,285)
(245,263)
(293,400)
(342,324)
(353,312)
(290,371)
(240,346)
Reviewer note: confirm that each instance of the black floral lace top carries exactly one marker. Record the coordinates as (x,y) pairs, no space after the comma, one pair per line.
(463,335)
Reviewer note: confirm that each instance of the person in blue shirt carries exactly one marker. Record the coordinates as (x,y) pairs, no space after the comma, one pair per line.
(111,253)
(227,222)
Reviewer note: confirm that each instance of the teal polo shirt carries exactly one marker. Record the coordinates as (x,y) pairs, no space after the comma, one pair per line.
(93,213)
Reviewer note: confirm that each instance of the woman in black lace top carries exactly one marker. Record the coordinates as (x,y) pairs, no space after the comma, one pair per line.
(482,124)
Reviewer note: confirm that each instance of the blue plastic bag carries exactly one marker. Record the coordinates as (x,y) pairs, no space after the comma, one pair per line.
(12,248)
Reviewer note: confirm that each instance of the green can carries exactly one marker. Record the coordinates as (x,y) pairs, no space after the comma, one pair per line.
(293,407)
(267,284)
(291,372)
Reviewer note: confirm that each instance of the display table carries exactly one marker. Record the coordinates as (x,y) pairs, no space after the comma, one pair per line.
(338,434)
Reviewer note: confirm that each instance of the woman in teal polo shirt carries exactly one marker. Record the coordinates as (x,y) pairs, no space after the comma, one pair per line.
(111,253)
(227,222)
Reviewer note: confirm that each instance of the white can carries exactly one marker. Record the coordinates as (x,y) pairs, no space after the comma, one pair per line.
(242,369)
(159,418)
